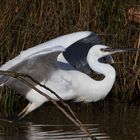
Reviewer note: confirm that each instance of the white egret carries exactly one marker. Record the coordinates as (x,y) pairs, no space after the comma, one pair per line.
(57,64)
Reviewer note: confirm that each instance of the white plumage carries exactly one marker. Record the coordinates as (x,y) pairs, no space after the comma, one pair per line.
(47,64)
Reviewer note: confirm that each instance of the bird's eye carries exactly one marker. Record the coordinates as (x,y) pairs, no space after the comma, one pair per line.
(103,50)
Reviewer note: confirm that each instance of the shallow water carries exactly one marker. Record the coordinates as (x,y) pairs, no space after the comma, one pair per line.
(115,121)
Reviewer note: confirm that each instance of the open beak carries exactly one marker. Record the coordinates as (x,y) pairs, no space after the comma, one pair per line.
(112,50)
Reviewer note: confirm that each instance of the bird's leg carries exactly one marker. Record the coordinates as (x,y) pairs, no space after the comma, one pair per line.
(30,107)
(24,110)
(23,115)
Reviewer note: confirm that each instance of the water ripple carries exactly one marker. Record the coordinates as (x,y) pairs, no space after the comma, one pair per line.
(42,132)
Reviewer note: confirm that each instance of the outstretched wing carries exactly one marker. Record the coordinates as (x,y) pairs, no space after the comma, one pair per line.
(76,53)
(39,65)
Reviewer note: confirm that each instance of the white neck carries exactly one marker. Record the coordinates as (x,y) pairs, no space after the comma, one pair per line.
(107,70)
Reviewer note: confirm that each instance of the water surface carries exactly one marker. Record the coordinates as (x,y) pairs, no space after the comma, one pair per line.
(115,121)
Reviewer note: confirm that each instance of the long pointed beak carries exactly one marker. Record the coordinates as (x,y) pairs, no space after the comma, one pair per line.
(115,50)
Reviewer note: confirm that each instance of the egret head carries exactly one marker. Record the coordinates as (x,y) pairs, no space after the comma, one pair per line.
(102,50)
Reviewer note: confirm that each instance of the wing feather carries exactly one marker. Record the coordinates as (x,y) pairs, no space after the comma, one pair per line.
(39,65)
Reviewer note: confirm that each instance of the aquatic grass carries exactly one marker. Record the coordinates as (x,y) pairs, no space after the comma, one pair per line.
(24,24)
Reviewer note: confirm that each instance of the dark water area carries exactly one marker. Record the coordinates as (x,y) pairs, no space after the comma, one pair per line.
(108,121)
